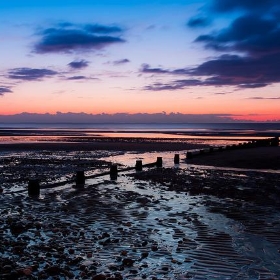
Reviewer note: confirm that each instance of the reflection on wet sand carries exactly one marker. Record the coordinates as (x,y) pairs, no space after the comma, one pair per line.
(179,221)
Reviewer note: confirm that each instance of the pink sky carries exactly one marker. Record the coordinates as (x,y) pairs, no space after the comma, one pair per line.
(199,57)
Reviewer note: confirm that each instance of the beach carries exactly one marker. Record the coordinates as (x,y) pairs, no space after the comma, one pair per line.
(215,216)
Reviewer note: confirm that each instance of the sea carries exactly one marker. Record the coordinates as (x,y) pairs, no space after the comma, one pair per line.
(254,128)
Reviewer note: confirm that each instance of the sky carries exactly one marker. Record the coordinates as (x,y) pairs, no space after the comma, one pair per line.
(207,58)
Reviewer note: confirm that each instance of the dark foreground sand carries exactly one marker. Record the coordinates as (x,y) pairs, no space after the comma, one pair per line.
(158,224)
(125,144)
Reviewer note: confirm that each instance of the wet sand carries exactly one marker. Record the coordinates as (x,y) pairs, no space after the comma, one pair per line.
(181,222)
(125,144)
(252,158)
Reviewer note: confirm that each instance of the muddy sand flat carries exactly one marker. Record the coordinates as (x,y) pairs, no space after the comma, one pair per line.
(252,158)
(181,222)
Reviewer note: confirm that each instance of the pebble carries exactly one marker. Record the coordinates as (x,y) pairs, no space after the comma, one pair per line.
(128,262)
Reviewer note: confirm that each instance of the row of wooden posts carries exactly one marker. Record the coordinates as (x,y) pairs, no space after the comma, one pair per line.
(270,142)
(34,185)
(80,178)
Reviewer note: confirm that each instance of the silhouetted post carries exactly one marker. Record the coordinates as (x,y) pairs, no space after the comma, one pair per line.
(114,172)
(138,165)
(159,162)
(189,155)
(33,187)
(211,149)
(275,141)
(80,177)
(176,158)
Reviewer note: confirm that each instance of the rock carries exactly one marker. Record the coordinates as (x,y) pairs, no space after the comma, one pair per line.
(128,262)
(123,253)
(7,268)
(99,277)
(144,255)
(27,271)
(71,251)
(17,228)
(154,248)
(53,270)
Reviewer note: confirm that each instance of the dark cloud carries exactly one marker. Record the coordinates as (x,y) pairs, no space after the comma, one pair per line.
(78,64)
(250,5)
(121,61)
(226,70)
(4,90)
(30,74)
(250,46)
(249,34)
(77,78)
(198,22)
(71,38)
(96,28)
(145,68)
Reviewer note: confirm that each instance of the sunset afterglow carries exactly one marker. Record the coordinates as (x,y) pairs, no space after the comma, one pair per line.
(135,57)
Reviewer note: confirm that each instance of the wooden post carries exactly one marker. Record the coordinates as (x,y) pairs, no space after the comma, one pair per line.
(275,141)
(176,158)
(80,177)
(114,172)
(159,162)
(189,155)
(33,187)
(138,165)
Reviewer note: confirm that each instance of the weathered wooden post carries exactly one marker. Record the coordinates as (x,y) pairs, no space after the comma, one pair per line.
(80,177)
(176,159)
(33,187)
(159,162)
(114,172)
(275,141)
(189,155)
(138,165)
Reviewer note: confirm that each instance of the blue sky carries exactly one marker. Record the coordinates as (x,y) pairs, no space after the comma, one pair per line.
(190,57)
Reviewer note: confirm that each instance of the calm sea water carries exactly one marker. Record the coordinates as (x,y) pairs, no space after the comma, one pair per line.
(247,128)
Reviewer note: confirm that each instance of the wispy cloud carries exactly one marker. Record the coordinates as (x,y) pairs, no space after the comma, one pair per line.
(79,78)
(121,61)
(198,21)
(103,29)
(4,90)
(73,37)
(30,74)
(263,98)
(78,64)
